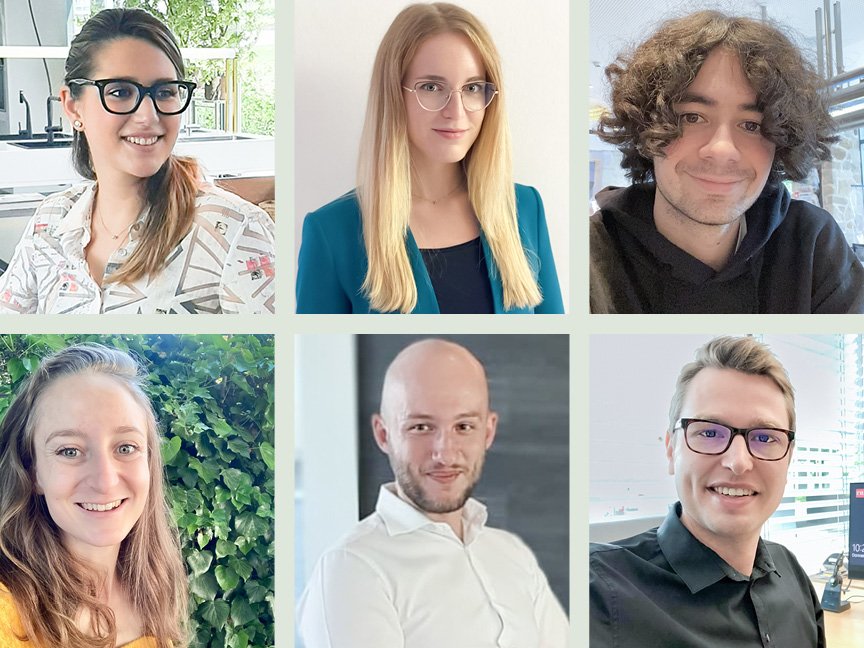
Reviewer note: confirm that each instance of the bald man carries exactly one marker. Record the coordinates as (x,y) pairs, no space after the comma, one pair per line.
(423,571)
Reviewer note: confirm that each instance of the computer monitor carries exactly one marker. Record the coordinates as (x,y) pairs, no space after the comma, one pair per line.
(855,562)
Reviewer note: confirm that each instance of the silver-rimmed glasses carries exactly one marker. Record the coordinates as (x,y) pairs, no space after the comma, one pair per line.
(713,438)
(122,96)
(435,95)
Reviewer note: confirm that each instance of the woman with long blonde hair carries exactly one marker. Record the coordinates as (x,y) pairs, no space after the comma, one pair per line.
(88,555)
(145,233)
(436,224)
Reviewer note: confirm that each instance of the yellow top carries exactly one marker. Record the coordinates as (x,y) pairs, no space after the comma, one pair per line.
(10,627)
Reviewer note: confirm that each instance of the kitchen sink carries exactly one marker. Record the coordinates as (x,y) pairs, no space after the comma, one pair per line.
(43,144)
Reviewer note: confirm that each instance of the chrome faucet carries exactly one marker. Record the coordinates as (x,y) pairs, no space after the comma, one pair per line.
(51,128)
(27,132)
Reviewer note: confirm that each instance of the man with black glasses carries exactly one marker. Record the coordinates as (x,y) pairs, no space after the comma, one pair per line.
(705,577)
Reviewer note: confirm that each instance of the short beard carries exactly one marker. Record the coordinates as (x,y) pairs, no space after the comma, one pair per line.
(414,492)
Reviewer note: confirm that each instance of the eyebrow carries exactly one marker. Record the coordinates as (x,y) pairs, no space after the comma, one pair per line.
(758,423)
(428,417)
(435,77)
(78,434)
(707,101)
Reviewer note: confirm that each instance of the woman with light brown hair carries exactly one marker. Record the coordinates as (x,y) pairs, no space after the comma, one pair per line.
(88,554)
(145,233)
(436,224)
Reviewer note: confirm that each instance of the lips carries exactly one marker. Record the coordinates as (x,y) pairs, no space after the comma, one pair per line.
(733,491)
(450,133)
(443,476)
(101,507)
(142,141)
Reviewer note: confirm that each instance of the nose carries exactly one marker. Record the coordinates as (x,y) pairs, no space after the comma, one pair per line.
(146,110)
(455,107)
(445,448)
(721,146)
(104,472)
(737,458)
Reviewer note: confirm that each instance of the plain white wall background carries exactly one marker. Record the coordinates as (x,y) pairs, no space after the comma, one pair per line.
(334,47)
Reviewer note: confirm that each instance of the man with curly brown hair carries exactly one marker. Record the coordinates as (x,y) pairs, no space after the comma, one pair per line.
(711,113)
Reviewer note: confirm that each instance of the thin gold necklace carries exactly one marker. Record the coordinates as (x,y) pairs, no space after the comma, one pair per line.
(460,184)
(112,234)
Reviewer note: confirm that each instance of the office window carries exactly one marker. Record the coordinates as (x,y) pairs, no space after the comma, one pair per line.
(632,381)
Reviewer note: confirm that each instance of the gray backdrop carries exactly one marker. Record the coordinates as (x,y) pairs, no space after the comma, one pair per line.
(525,482)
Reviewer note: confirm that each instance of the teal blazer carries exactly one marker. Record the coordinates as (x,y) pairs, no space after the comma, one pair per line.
(333,261)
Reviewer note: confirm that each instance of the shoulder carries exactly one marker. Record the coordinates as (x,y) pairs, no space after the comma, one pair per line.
(9,622)
(342,213)
(215,204)
(55,206)
(529,204)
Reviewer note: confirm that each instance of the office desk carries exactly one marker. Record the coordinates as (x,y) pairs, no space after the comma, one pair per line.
(844,629)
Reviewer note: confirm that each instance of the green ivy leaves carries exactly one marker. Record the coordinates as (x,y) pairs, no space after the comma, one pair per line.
(213,396)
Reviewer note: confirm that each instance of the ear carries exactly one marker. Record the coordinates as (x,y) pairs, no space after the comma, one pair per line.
(70,104)
(379,431)
(491,428)
(670,452)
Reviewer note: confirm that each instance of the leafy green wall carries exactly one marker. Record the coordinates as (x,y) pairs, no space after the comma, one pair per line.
(214,399)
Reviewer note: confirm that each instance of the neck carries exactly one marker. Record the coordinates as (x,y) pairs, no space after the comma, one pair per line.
(713,245)
(103,561)
(453,518)
(434,182)
(118,206)
(739,552)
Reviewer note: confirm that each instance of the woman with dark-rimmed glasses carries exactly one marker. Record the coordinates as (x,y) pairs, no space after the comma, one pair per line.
(436,224)
(145,233)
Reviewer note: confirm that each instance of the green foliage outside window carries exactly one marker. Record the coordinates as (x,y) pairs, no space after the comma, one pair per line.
(214,399)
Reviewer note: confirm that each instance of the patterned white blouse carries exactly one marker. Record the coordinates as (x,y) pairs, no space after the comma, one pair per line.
(225,264)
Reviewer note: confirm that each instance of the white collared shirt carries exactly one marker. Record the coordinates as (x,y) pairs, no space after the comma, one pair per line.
(402,580)
(225,264)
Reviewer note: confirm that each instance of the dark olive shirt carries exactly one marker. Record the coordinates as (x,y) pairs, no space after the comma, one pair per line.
(664,588)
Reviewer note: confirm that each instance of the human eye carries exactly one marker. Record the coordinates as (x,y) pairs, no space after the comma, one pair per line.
(765,437)
(752,126)
(430,86)
(127,449)
(420,428)
(465,427)
(690,118)
(68,452)
(710,430)
(167,91)
(477,87)
(120,90)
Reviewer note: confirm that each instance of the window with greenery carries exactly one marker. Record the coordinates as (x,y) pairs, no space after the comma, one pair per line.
(214,398)
(245,25)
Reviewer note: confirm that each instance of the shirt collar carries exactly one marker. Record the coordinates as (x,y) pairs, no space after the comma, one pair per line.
(698,565)
(78,217)
(400,517)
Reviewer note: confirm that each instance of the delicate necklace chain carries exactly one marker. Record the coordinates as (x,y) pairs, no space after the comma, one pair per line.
(458,186)
(112,234)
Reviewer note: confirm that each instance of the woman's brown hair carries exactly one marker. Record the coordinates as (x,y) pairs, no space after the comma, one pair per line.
(170,193)
(649,81)
(49,585)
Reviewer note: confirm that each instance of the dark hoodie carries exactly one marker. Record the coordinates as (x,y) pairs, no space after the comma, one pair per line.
(793,259)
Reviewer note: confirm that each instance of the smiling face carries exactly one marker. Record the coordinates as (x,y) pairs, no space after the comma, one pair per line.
(718,167)
(444,136)
(125,148)
(435,425)
(90,449)
(714,514)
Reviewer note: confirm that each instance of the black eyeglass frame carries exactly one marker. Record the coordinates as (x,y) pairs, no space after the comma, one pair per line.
(685,422)
(143,91)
